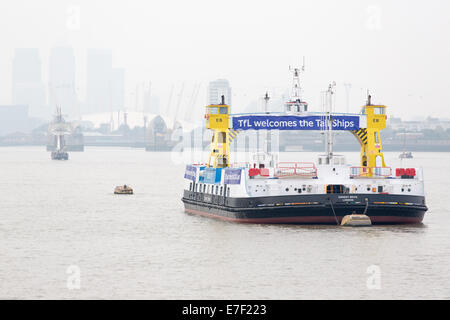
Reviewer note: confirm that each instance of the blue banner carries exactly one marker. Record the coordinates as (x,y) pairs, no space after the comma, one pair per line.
(232,176)
(294,122)
(190,173)
(212,175)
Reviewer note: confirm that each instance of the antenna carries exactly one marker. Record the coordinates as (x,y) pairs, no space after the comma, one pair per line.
(369,98)
(296,104)
(296,88)
(329,121)
(266,101)
(267,137)
(331,93)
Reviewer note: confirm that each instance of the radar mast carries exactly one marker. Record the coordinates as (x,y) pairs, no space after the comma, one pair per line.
(296,104)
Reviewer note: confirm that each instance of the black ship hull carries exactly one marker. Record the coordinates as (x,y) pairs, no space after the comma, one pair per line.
(308,209)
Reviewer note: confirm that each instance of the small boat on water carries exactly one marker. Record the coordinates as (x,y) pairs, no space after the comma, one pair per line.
(123,189)
(406,155)
(60,154)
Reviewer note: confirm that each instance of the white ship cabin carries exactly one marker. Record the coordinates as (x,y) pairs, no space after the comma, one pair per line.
(261,178)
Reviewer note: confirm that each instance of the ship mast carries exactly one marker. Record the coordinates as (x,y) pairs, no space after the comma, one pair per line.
(60,130)
(296,104)
(296,88)
(328,105)
(266,133)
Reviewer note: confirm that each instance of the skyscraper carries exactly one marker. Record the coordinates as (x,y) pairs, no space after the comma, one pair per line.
(61,86)
(27,86)
(117,89)
(217,89)
(99,70)
(105,84)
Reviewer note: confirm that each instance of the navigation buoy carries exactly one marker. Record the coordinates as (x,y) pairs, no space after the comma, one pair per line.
(356,220)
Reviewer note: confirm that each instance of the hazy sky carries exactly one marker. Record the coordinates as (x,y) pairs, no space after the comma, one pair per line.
(399,49)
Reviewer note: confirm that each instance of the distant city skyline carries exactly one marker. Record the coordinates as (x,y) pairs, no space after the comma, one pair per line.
(27,85)
(396,49)
(105,85)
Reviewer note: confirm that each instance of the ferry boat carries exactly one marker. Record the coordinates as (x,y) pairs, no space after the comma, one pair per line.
(266,190)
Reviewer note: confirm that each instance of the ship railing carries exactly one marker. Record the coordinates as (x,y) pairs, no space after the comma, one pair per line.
(199,164)
(296,169)
(240,165)
(370,172)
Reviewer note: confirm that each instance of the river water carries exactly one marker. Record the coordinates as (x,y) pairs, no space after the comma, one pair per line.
(64,234)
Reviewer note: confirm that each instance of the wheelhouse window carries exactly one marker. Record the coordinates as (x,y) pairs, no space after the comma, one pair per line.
(213,110)
(379,110)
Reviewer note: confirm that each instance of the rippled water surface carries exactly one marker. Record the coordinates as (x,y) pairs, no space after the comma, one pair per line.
(54,215)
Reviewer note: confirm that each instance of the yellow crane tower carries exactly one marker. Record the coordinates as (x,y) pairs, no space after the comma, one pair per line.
(369,137)
(217,119)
